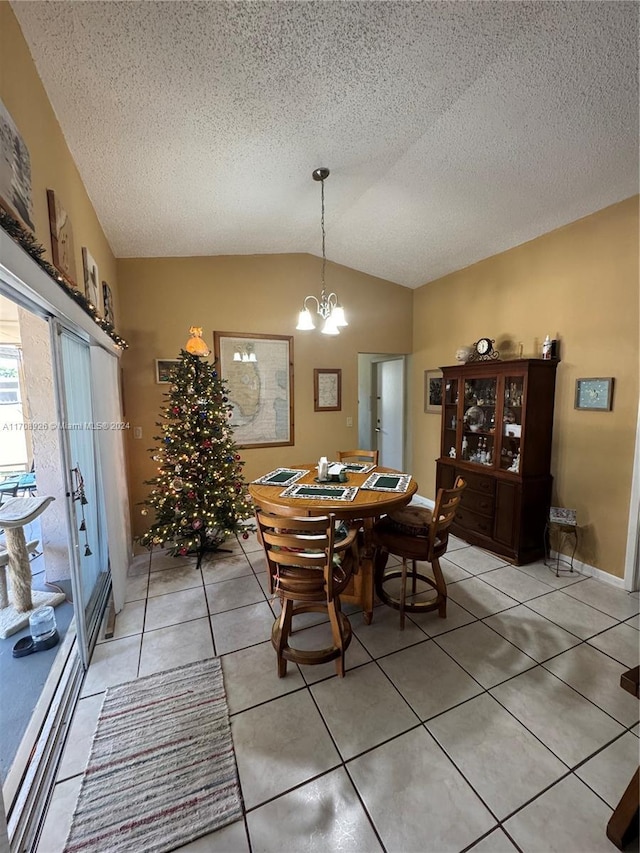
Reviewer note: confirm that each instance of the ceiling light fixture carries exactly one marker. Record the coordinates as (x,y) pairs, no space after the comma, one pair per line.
(327,306)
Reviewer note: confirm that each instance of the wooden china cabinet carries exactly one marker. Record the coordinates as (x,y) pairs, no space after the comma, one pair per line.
(497,424)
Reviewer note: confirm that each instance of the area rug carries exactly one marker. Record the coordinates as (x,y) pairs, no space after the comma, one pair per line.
(162,769)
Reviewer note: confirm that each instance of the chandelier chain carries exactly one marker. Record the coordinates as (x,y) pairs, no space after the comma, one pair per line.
(324,256)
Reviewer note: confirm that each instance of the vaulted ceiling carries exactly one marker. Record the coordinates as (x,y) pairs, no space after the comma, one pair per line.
(453,130)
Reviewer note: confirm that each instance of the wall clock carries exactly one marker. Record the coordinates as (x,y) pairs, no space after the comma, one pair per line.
(483,350)
(594,394)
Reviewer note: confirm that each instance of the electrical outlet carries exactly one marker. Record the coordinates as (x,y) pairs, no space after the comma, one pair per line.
(349,422)
(137,432)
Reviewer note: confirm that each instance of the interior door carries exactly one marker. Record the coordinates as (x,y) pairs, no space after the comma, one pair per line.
(389,428)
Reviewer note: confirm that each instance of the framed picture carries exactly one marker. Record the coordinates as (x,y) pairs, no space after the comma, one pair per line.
(595,395)
(433,391)
(107,304)
(62,248)
(91,280)
(164,366)
(15,172)
(258,371)
(327,390)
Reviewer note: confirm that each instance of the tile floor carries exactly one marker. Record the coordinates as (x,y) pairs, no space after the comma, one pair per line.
(500,728)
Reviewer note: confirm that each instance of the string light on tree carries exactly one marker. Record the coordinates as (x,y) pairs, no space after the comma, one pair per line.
(199,496)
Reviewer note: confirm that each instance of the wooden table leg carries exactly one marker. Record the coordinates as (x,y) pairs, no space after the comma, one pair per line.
(366,567)
(623,823)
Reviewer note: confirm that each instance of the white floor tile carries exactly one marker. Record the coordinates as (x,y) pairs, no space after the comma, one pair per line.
(363,694)
(495,842)
(383,635)
(280,745)
(609,772)
(413,668)
(515,583)
(229,839)
(234,566)
(416,797)
(321,816)
(474,560)
(479,598)
(485,655)
(503,761)
(80,736)
(597,677)
(567,817)
(319,637)
(548,575)
(620,642)
(172,580)
(605,597)
(250,677)
(175,645)
(238,629)
(128,622)
(137,587)
(227,595)
(532,633)
(58,820)
(572,615)
(433,625)
(175,607)
(572,727)
(112,663)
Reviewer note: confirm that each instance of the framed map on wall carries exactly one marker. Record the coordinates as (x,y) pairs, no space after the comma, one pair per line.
(258,371)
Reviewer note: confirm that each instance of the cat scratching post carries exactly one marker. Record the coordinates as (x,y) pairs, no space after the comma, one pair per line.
(14,514)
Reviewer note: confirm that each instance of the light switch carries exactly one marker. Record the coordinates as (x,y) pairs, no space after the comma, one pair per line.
(350,422)
(137,432)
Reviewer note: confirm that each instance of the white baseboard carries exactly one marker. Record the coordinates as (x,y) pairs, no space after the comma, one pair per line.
(592,571)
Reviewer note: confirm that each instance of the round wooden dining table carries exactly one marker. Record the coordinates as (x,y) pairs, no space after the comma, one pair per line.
(366,507)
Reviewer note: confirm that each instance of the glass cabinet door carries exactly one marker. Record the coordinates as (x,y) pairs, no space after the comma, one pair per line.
(479,421)
(450,418)
(512,424)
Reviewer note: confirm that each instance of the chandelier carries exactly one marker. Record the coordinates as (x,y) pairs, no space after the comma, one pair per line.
(327,306)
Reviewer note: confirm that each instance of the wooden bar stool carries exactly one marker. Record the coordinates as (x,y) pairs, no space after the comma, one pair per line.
(308,569)
(415,533)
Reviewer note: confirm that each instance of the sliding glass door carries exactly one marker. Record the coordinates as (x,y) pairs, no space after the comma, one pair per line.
(83,477)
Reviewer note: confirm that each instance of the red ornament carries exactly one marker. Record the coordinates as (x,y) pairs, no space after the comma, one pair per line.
(191,495)
(237,456)
(245,535)
(182,552)
(176,410)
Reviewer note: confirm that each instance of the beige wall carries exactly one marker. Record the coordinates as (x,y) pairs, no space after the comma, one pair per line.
(578,284)
(52,166)
(259,294)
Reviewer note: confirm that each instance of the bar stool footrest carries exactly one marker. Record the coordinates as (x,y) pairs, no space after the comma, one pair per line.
(412,607)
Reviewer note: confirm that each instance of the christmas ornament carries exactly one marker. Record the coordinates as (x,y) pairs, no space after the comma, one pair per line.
(177,484)
(195,345)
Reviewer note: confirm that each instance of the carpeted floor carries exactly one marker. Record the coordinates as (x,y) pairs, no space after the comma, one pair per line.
(162,768)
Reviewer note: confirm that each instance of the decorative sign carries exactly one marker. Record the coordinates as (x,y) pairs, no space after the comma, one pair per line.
(327,390)
(595,394)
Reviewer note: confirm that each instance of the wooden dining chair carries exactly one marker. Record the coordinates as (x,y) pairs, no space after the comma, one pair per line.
(358,456)
(307,569)
(415,533)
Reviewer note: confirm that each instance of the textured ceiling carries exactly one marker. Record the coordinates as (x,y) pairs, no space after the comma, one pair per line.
(453,130)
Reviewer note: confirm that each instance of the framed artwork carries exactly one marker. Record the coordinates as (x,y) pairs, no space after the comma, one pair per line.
(91,280)
(62,248)
(107,304)
(433,391)
(327,390)
(258,371)
(164,366)
(595,395)
(15,171)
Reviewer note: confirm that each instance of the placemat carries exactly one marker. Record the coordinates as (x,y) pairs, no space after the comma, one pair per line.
(387,483)
(321,493)
(281,477)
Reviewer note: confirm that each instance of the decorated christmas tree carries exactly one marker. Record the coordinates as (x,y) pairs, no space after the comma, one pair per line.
(199,496)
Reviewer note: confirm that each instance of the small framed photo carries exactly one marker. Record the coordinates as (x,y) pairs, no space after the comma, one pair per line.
(595,395)
(164,367)
(433,391)
(62,247)
(91,280)
(327,389)
(107,302)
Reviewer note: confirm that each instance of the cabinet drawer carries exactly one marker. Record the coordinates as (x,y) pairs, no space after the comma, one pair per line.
(472,521)
(478,482)
(478,502)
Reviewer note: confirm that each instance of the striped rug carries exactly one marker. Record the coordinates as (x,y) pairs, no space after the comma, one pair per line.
(162,769)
